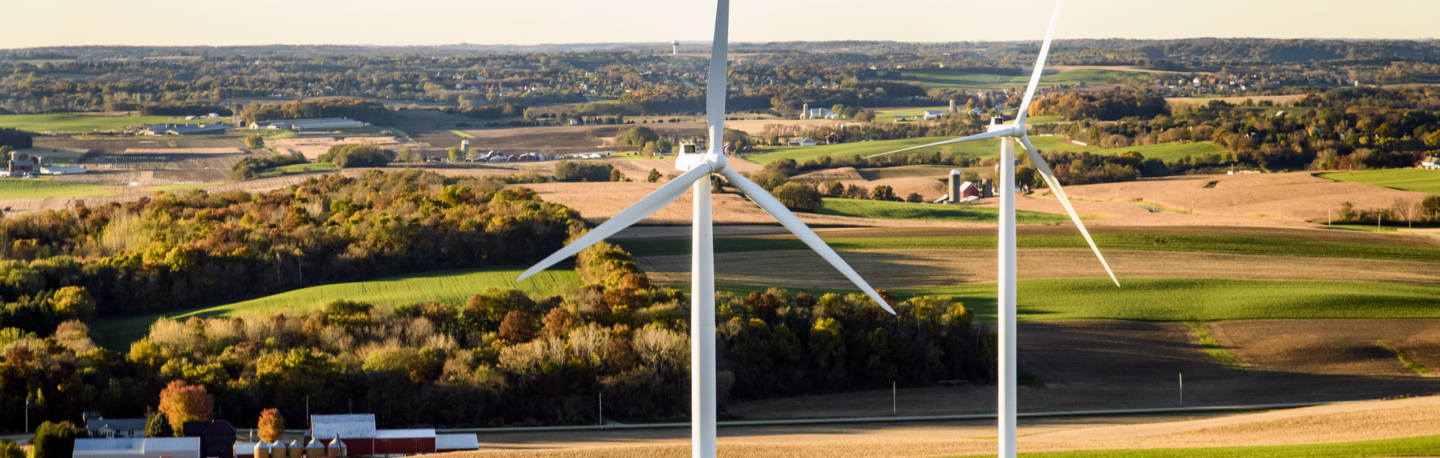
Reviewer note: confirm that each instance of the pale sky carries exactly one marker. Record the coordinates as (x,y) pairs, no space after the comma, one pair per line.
(33,23)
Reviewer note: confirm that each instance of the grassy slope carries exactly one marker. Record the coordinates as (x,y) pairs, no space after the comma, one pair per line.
(1409,446)
(1165,151)
(451,287)
(929,212)
(1186,300)
(186,186)
(37,188)
(1269,246)
(1417,180)
(81,123)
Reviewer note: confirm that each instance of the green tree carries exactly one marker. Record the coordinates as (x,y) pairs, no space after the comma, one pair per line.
(455,155)
(770,178)
(254,141)
(835,189)
(54,440)
(883,192)
(158,426)
(798,196)
(865,116)
(638,136)
(73,303)
(616,176)
(653,176)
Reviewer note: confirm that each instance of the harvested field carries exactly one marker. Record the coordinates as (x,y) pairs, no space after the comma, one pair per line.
(931,268)
(1340,347)
(1351,422)
(1292,197)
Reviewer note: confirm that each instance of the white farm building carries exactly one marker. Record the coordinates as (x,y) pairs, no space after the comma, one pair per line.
(302,124)
(140,447)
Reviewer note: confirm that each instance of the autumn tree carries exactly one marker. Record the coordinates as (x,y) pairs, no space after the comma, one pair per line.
(516,328)
(9,449)
(254,141)
(271,425)
(798,196)
(182,402)
(558,322)
(653,177)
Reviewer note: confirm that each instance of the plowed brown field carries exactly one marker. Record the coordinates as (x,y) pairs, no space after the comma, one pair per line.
(1340,347)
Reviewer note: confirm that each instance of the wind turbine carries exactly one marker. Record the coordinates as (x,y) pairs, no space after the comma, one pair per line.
(697,168)
(1008,134)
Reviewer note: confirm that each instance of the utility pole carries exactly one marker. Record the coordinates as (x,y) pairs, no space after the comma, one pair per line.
(1182,389)
(27,414)
(602,408)
(894,405)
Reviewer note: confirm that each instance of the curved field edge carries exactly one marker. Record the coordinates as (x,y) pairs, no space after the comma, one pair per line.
(40,188)
(454,287)
(876,209)
(1409,447)
(1225,244)
(1417,180)
(1181,300)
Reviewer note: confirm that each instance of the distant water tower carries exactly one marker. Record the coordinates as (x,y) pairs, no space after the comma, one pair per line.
(675,47)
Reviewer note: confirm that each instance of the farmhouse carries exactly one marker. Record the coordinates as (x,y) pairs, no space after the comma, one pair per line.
(186,129)
(1431,162)
(139,447)
(111,428)
(302,124)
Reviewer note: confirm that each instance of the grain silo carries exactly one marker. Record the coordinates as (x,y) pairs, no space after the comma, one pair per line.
(315,449)
(952,196)
(337,448)
(296,450)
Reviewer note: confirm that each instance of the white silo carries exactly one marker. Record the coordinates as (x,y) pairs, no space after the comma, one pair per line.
(953,194)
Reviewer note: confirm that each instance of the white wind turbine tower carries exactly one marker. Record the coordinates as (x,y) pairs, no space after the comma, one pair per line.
(697,168)
(1008,134)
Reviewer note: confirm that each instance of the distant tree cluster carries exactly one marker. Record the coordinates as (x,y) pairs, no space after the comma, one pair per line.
(183,109)
(357,155)
(369,111)
(1104,106)
(16,138)
(250,167)
(577,171)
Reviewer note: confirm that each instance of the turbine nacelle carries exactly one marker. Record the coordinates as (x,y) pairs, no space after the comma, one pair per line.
(1016,130)
(716,160)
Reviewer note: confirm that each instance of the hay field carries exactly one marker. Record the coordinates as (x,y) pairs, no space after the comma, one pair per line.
(1407,425)
(169,151)
(1416,180)
(454,287)
(1293,197)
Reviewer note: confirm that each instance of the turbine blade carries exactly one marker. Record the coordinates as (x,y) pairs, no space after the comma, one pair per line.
(787,219)
(645,207)
(957,140)
(1064,201)
(715,90)
(1039,66)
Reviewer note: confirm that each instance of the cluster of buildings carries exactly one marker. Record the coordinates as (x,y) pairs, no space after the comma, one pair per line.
(186,129)
(331,436)
(500,156)
(1431,163)
(34,165)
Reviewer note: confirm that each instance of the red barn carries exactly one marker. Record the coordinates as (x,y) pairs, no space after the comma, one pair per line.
(361,438)
(404,441)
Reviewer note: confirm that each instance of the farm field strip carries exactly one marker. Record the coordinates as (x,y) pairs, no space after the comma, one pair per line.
(980,148)
(449,287)
(40,188)
(1226,244)
(1417,180)
(84,123)
(1177,300)
(928,212)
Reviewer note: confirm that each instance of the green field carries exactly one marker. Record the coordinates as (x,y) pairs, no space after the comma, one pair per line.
(462,134)
(66,122)
(186,186)
(929,212)
(1264,246)
(962,79)
(452,287)
(39,188)
(1418,180)
(1178,300)
(308,167)
(1409,446)
(981,148)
